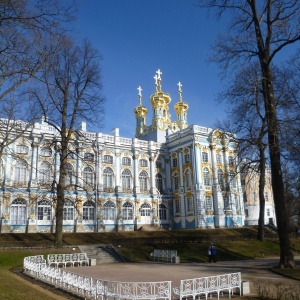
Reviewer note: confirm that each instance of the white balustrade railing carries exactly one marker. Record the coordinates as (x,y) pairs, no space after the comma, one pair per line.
(204,286)
(90,288)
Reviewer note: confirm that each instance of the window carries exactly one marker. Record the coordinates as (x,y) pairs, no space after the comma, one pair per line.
(208,203)
(46,151)
(18,213)
(127,211)
(204,156)
(143,163)
(143,177)
(219,159)
(190,204)
(268,212)
(230,161)
(174,162)
(162,212)
(88,176)
(187,158)
(245,197)
(159,182)
(187,175)
(126,179)
(226,203)
(44,172)
(88,156)
(254,196)
(109,210)
(266,196)
(1,169)
(232,179)
(175,181)
(44,210)
(69,174)
(177,206)
(126,161)
(108,159)
(68,210)
(21,149)
(108,175)
(246,213)
(145,210)
(220,178)
(206,176)
(21,171)
(88,211)
(158,164)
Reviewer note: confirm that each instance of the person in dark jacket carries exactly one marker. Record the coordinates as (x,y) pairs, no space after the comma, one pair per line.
(212,253)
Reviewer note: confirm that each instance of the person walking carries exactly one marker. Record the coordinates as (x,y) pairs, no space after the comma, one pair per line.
(212,253)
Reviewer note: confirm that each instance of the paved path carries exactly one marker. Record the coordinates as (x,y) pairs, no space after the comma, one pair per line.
(252,270)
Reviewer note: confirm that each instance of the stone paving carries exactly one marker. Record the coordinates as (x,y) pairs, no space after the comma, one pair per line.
(251,270)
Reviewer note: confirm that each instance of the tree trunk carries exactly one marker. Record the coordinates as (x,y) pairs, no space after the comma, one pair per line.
(286,252)
(262,183)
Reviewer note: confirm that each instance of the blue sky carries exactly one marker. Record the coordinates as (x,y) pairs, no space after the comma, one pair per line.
(137,37)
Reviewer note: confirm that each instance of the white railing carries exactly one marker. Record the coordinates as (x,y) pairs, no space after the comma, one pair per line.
(207,285)
(87,287)
(64,260)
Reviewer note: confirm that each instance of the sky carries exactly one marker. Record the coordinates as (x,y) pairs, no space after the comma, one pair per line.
(138,37)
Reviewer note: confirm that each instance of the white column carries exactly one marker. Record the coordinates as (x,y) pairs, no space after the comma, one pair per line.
(117,168)
(34,165)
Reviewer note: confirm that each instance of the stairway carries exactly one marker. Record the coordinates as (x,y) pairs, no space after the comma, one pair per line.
(102,253)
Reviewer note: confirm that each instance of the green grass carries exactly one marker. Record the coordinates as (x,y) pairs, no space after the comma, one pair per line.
(12,287)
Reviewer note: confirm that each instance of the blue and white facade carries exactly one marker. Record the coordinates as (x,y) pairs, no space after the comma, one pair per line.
(170,175)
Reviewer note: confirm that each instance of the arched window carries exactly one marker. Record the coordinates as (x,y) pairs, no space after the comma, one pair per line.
(109,210)
(126,161)
(21,171)
(44,172)
(108,176)
(175,181)
(232,179)
(219,159)
(88,176)
(220,178)
(159,182)
(88,212)
(68,210)
(143,163)
(162,212)
(126,179)
(69,175)
(44,210)
(46,151)
(206,176)
(187,175)
(145,210)
(208,203)
(127,211)
(18,212)
(143,177)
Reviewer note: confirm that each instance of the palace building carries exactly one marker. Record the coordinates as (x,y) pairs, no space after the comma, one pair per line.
(170,175)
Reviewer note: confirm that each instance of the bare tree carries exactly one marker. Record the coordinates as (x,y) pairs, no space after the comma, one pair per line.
(72,83)
(29,31)
(259,30)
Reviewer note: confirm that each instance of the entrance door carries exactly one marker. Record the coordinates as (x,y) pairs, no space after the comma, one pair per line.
(145,213)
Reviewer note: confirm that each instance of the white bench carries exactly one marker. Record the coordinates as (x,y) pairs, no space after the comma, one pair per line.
(164,255)
(206,285)
(66,260)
